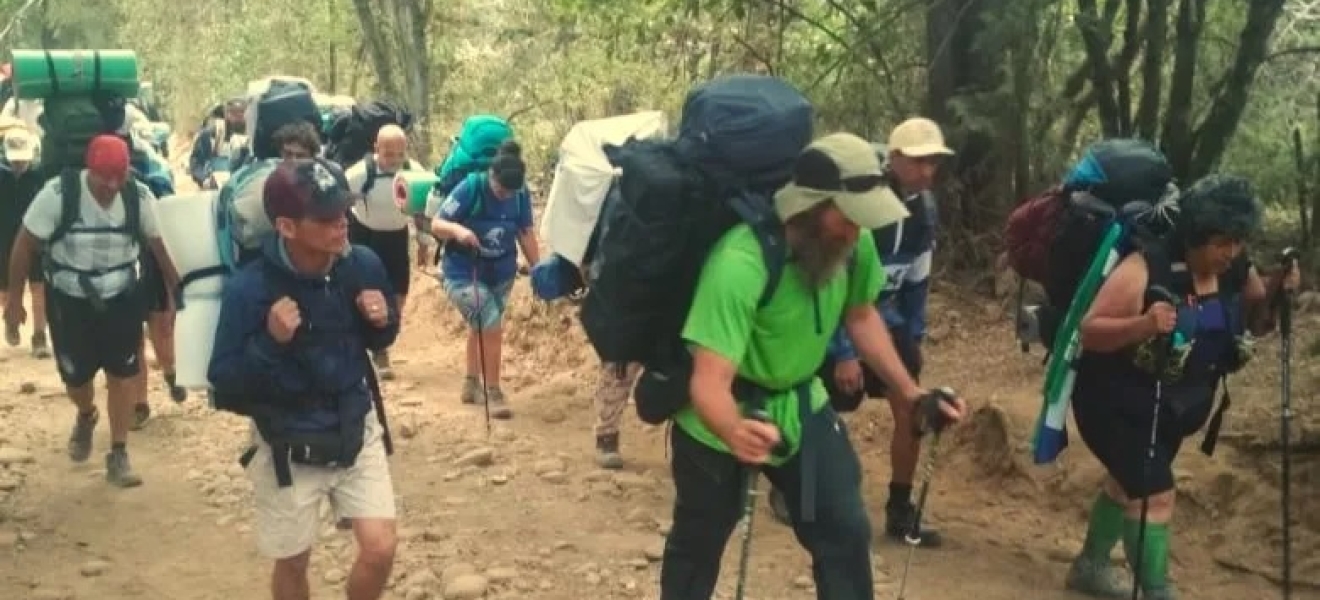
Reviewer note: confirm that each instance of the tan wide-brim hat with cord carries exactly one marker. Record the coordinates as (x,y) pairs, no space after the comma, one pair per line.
(918,137)
(841,168)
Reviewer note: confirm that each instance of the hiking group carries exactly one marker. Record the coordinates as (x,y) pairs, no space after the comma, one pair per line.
(744,281)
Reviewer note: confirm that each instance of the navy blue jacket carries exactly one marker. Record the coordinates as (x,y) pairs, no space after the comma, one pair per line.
(327,360)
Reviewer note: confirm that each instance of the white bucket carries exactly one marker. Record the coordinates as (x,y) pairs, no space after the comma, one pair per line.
(187,226)
(194,333)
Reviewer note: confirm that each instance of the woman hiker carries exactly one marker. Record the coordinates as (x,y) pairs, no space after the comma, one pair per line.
(1193,332)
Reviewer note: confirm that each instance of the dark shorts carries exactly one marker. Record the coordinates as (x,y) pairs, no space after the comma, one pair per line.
(1116,424)
(909,349)
(35,273)
(391,247)
(152,285)
(87,341)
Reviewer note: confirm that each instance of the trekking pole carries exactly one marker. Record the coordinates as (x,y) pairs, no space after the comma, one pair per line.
(752,477)
(1155,294)
(929,421)
(1289,259)
(481,342)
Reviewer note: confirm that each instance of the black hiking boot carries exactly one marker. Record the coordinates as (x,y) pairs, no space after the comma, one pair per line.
(607,452)
(898,526)
(39,348)
(177,393)
(141,414)
(80,441)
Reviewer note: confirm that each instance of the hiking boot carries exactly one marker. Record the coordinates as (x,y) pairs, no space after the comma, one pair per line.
(471,391)
(1098,579)
(141,414)
(382,361)
(1162,593)
(177,393)
(80,441)
(118,472)
(499,408)
(607,452)
(12,335)
(898,525)
(39,348)
(779,507)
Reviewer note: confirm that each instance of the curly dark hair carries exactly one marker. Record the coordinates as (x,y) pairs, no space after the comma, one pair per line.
(301,133)
(1218,205)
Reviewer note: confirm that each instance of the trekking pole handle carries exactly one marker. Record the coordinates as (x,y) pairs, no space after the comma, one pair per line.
(929,418)
(1158,293)
(1289,259)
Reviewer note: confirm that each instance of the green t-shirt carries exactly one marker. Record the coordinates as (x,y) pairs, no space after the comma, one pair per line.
(779,345)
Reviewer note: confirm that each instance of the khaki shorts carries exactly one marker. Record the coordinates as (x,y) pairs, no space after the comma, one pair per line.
(288,520)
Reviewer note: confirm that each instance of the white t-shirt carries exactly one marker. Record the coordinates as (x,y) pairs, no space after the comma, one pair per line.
(98,252)
(377,211)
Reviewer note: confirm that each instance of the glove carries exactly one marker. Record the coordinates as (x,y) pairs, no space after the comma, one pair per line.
(1146,356)
(929,417)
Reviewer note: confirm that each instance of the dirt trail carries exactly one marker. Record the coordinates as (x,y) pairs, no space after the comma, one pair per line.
(526,507)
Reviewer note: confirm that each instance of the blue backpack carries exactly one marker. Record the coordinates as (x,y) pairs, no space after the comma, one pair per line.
(739,139)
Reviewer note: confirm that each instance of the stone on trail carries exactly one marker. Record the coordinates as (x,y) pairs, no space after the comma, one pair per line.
(465,587)
(93,568)
(15,456)
(479,457)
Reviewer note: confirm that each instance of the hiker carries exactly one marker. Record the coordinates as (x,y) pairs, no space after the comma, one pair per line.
(472,151)
(914,151)
(95,311)
(211,149)
(485,220)
(157,297)
(297,140)
(836,196)
(376,222)
(290,352)
(1214,296)
(19,184)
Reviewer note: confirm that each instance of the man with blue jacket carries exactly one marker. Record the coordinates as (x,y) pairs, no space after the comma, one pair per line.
(915,148)
(291,352)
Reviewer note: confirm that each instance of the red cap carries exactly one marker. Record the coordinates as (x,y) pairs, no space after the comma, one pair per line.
(107,156)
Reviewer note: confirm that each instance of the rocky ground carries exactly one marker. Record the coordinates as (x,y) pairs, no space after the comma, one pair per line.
(522,512)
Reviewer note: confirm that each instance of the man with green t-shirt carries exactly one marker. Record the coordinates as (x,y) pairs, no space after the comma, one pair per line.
(768,357)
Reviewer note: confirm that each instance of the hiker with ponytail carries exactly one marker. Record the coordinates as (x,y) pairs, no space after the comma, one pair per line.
(483,222)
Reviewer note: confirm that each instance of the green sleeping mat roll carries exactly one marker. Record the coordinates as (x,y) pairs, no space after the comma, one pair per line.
(46,73)
(411,189)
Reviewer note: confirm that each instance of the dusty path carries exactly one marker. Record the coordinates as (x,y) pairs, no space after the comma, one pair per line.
(525,506)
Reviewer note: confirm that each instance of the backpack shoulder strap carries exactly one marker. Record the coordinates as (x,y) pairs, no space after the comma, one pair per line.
(372,172)
(769,231)
(474,181)
(70,204)
(132,197)
(1162,270)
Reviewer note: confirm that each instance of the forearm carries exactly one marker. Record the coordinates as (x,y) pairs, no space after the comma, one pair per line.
(445,230)
(163,259)
(871,339)
(531,249)
(714,402)
(20,259)
(1108,334)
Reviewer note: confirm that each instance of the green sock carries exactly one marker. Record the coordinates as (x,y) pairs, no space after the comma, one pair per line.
(1153,571)
(1104,530)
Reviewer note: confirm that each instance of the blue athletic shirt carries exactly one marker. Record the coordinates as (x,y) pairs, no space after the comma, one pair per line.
(496,223)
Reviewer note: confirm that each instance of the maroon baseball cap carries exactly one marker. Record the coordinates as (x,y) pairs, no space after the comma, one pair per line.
(312,188)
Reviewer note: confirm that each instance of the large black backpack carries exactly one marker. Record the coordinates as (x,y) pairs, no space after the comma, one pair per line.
(352,135)
(1117,181)
(68,124)
(738,141)
(283,103)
